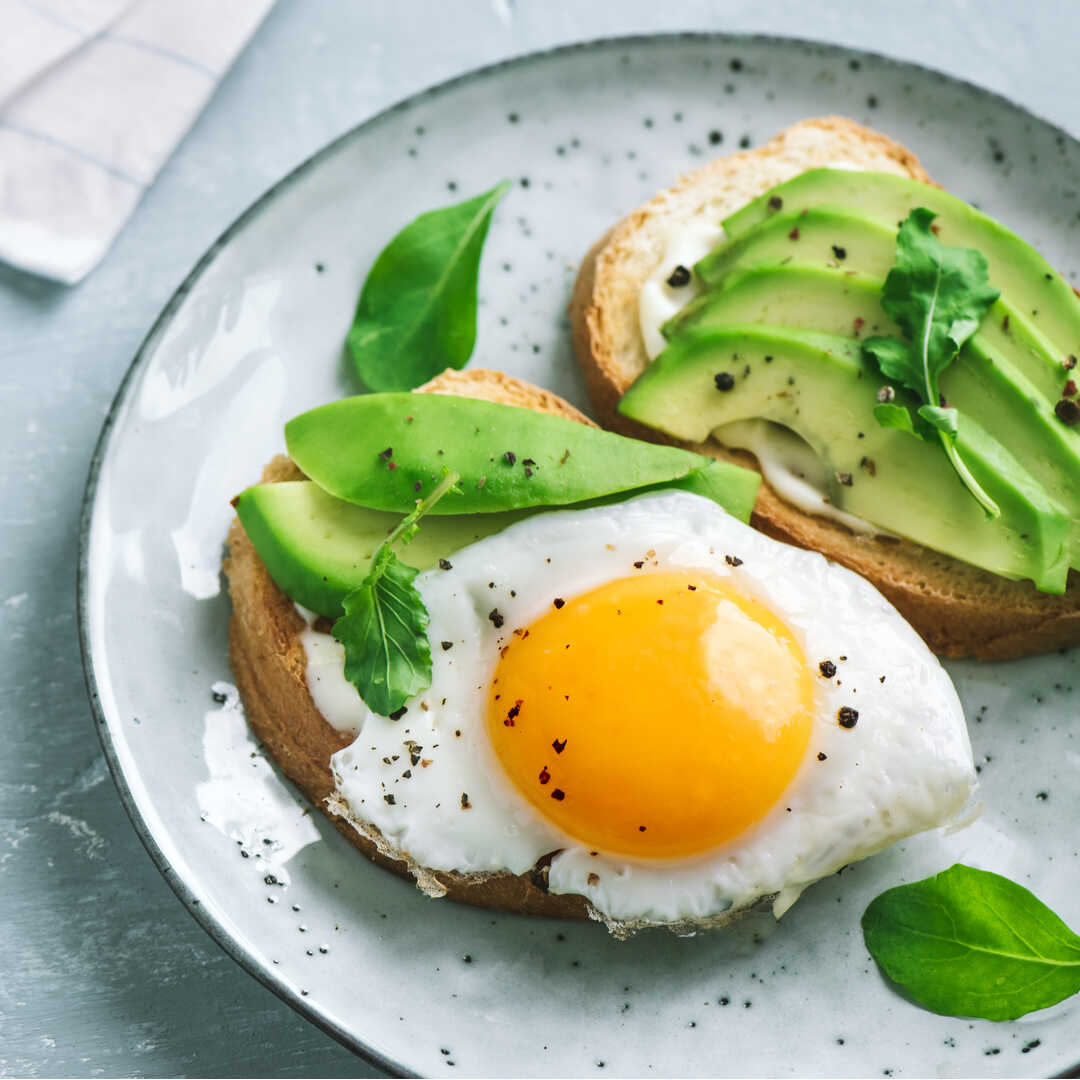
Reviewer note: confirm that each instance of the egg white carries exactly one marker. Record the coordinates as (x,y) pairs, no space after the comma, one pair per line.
(905,767)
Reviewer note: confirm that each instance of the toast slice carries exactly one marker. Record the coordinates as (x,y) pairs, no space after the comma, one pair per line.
(269,664)
(959,609)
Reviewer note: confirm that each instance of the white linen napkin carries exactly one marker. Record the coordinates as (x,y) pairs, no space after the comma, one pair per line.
(94,97)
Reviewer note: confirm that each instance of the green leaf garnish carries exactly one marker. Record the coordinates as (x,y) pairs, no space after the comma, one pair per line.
(384,628)
(937,295)
(417,309)
(970,943)
(899,416)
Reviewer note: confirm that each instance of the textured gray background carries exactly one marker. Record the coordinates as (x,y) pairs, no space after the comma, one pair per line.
(103,972)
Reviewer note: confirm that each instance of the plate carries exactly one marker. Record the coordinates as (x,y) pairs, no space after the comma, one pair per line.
(253,336)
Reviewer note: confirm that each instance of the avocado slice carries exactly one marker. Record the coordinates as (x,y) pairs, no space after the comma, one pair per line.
(1032,285)
(386,450)
(988,380)
(820,387)
(318,548)
(836,237)
(794,295)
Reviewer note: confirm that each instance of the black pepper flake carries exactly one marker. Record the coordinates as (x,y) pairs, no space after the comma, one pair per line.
(641,828)
(558,794)
(1070,388)
(1069,363)
(389,800)
(1067,411)
(886,394)
(387,454)
(827,669)
(544,776)
(559,745)
(559,602)
(593,879)
(465,805)
(692,588)
(496,618)
(510,457)
(528,471)
(733,560)
(513,712)
(446,645)
(847,716)
(839,252)
(218,697)
(397,714)
(417,486)
(679,277)
(844,478)
(445,564)
(794,234)
(822,756)
(638,565)
(869,465)
(724,380)
(527,461)
(775,202)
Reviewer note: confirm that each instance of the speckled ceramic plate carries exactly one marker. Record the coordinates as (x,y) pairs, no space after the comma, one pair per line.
(254,336)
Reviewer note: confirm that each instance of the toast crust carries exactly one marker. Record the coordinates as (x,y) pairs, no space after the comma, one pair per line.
(958,609)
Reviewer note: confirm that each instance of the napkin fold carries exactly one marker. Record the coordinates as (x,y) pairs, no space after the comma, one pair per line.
(94,97)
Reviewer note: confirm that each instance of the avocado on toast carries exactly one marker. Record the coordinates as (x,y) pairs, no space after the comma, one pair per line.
(779,307)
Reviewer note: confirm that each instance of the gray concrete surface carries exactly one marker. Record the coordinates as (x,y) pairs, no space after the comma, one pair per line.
(102,970)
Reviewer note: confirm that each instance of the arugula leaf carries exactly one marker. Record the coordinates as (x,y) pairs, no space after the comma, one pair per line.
(970,943)
(417,310)
(937,295)
(899,416)
(384,628)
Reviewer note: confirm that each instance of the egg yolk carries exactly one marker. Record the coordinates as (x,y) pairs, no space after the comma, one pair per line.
(656,716)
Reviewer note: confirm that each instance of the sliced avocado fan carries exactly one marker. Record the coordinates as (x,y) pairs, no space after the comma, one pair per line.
(809,257)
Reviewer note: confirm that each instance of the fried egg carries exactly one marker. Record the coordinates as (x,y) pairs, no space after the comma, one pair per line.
(676,714)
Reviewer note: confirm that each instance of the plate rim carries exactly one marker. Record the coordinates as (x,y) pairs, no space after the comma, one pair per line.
(246,958)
